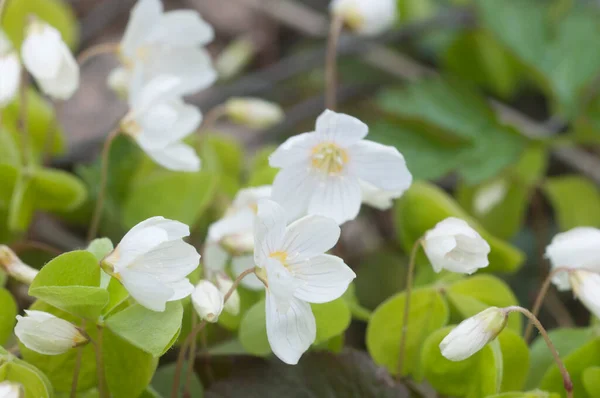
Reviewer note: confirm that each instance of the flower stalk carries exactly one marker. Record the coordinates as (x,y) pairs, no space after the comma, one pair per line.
(77,367)
(100,364)
(331,79)
(94,51)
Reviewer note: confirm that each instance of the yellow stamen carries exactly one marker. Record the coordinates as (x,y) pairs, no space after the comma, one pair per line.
(280,256)
(329,158)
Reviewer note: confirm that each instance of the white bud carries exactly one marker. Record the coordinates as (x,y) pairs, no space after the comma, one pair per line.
(253,112)
(472,334)
(224,283)
(207,301)
(47,334)
(9,389)
(118,80)
(15,267)
(235,57)
(10,70)
(366,17)
(586,286)
(488,196)
(453,245)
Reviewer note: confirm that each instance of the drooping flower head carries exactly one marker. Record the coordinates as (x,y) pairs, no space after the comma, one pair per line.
(366,17)
(10,70)
(47,334)
(253,112)
(157,43)
(152,262)
(321,171)
(207,301)
(586,286)
(453,245)
(13,266)
(49,60)
(291,263)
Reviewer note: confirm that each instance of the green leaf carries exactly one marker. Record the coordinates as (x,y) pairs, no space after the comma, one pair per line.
(356,309)
(222,154)
(332,318)
(10,153)
(8,179)
(22,205)
(253,331)
(473,377)
(83,301)
(487,290)
(128,369)
(117,294)
(100,248)
(163,382)
(57,190)
(177,196)
(591,381)
(428,312)
(150,331)
(515,360)
(34,382)
(424,205)
(528,394)
(385,269)
(8,312)
(576,201)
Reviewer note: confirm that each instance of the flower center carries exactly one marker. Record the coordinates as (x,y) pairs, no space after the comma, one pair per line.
(130,126)
(280,256)
(329,158)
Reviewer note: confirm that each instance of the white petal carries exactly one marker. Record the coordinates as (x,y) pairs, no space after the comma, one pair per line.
(224,283)
(41,51)
(146,289)
(339,128)
(181,289)
(586,286)
(377,198)
(10,70)
(46,333)
(436,249)
(166,123)
(182,28)
(176,157)
(144,17)
(240,222)
(337,197)
(290,333)
(10,390)
(170,261)
(174,229)
(366,17)
(66,81)
(240,264)
(380,165)
(281,283)
(295,151)
(249,197)
(207,301)
(292,189)
(215,257)
(134,244)
(321,279)
(269,229)
(160,89)
(310,236)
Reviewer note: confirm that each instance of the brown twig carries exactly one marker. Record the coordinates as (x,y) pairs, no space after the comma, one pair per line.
(331,78)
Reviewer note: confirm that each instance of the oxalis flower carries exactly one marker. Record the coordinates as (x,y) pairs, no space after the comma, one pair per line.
(49,60)
(47,334)
(10,70)
(366,17)
(159,120)
(453,245)
(9,389)
(152,262)
(586,286)
(207,301)
(291,263)
(321,171)
(157,42)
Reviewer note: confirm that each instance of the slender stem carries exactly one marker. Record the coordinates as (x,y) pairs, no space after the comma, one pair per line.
(409,282)
(77,367)
(103,180)
(191,358)
(24,118)
(19,247)
(210,119)
(568,384)
(335,29)
(100,364)
(98,49)
(51,134)
(195,331)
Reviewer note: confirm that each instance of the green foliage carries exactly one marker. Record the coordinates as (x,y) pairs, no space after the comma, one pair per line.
(428,312)
(34,382)
(528,394)
(8,312)
(100,248)
(332,318)
(163,381)
(575,199)
(515,360)
(385,269)
(591,381)
(253,331)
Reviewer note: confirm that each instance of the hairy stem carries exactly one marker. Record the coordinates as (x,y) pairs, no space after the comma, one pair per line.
(98,49)
(100,364)
(191,358)
(335,30)
(77,367)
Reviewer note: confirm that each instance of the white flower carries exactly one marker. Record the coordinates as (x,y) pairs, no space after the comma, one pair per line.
(253,112)
(14,267)
(377,198)
(586,286)
(157,42)
(366,17)
(321,171)
(292,264)
(10,390)
(453,245)
(472,334)
(576,248)
(159,120)
(240,264)
(235,57)
(488,196)
(47,334)
(224,283)
(49,60)
(10,70)
(152,262)
(207,301)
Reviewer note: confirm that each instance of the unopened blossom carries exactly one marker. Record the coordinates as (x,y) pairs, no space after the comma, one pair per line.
(576,248)
(152,262)
(455,246)
(10,70)
(253,112)
(488,196)
(321,171)
(13,266)
(207,301)
(291,263)
(224,284)
(215,259)
(366,17)
(49,60)
(235,57)
(586,286)
(9,389)
(157,42)
(472,334)
(47,334)
(159,120)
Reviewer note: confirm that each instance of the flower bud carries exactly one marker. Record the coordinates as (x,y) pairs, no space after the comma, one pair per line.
(9,389)
(14,267)
(472,334)
(453,245)
(224,283)
(253,112)
(207,301)
(118,80)
(47,334)
(366,17)
(586,286)
(235,57)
